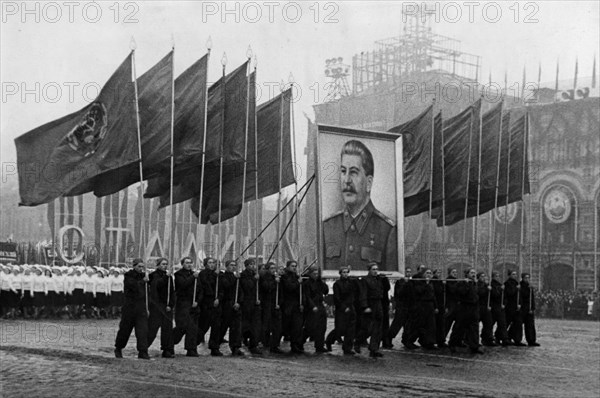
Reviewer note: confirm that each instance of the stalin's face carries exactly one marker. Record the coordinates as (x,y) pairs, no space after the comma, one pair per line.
(355,184)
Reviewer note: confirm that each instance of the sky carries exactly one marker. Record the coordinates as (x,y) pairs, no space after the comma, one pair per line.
(55,55)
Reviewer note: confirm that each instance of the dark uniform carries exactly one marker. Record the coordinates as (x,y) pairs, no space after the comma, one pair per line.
(423,327)
(439,288)
(271,315)
(513,314)
(451,303)
(251,310)
(344,295)
(401,309)
(385,306)
(186,317)
(314,291)
(527,311)
(497,301)
(467,322)
(371,236)
(292,317)
(485,315)
(134,313)
(161,288)
(371,295)
(207,278)
(231,319)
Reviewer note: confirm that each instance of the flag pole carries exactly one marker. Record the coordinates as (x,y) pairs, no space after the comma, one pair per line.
(522,229)
(198,226)
(223,91)
(506,202)
(539,82)
(255,180)
(523,86)
(576,73)
(141,170)
(280,169)
(468,180)
(236,226)
(492,213)
(171,155)
(594,73)
(476,219)
(427,257)
(291,80)
(443,189)
(556,79)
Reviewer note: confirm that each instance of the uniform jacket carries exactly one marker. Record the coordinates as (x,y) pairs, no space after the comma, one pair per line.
(511,293)
(291,290)
(248,285)
(344,294)
(134,288)
(159,289)
(451,297)
(483,292)
(402,293)
(227,285)
(268,290)
(466,292)
(496,294)
(372,290)
(184,285)
(371,236)
(527,294)
(314,290)
(208,280)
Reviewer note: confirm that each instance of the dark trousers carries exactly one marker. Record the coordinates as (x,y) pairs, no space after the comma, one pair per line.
(133,317)
(251,323)
(345,328)
(271,326)
(466,326)
(423,326)
(214,341)
(514,324)
(451,316)
(487,325)
(440,327)
(161,319)
(399,322)
(186,323)
(373,321)
(385,320)
(292,320)
(529,323)
(206,317)
(231,320)
(499,318)
(316,326)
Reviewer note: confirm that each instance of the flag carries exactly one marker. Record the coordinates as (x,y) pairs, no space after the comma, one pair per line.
(491,137)
(226,120)
(273,132)
(70,152)
(154,99)
(188,132)
(417,141)
(460,142)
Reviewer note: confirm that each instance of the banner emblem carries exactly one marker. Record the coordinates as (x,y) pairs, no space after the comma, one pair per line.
(557,206)
(86,136)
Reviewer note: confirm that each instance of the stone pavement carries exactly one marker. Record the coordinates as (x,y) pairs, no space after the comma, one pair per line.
(75,358)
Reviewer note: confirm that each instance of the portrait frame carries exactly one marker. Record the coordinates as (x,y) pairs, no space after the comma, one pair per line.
(326,134)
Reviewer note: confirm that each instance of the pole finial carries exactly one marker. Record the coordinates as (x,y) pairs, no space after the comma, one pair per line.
(224,59)
(291,78)
(209,43)
(249,52)
(132,43)
(255,61)
(172,41)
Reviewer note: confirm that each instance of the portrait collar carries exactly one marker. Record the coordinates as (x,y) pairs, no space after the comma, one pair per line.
(361,220)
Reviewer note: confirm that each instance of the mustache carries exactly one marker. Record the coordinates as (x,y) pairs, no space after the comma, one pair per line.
(349,189)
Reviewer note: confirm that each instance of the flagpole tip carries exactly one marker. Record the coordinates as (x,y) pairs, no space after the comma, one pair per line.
(255,61)
(224,59)
(132,44)
(172,41)
(209,43)
(249,52)
(291,78)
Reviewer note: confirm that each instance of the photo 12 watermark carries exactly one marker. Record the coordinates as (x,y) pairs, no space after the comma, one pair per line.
(53,12)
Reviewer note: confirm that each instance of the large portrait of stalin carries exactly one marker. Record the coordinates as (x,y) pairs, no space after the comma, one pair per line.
(359,234)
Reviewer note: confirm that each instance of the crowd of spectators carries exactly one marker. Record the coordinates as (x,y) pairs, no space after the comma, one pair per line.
(567,304)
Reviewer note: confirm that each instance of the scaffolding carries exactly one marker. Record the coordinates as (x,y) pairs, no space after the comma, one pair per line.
(417,50)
